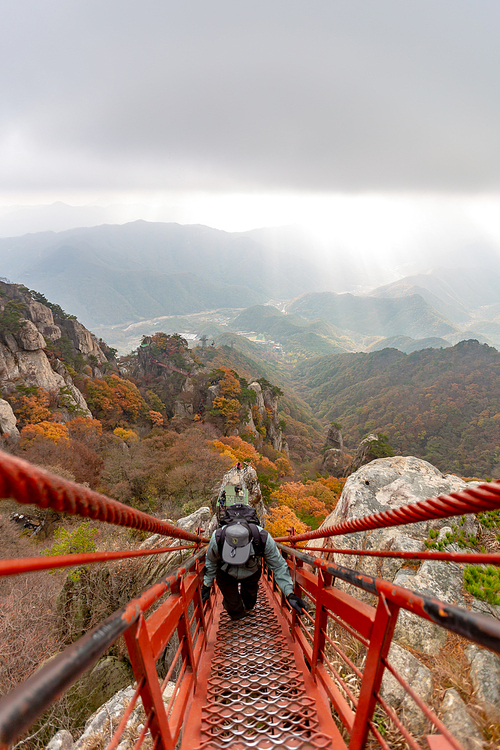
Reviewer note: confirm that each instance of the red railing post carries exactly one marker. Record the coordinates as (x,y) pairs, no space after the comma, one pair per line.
(184,632)
(320,622)
(380,642)
(144,666)
(297,563)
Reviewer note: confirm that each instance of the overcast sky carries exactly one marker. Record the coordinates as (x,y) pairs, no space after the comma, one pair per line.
(238,113)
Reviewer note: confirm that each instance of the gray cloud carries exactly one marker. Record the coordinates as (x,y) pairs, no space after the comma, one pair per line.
(272,94)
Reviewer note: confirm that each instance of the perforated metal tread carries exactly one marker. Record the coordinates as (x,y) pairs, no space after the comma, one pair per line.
(256,697)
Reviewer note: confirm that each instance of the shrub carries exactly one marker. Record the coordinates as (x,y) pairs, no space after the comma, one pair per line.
(31,404)
(128,436)
(53,431)
(75,541)
(483,582)
(283,518)
(10,317)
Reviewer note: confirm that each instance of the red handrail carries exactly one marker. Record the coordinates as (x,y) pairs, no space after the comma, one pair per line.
(178,609)
(486,497)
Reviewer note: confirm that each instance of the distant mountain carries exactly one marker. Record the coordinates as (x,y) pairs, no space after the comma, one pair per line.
(442,405)
(409,316)
(408,345)
(99,289)
(108,273)
(455,292)
(58,216)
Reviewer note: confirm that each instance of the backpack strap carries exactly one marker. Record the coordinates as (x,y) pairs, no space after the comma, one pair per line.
(259,539)
(220,535)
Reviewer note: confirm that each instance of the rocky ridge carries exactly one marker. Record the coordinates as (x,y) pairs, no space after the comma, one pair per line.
(28,329)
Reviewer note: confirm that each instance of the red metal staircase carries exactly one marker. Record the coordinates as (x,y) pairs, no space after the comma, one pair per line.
(271,680)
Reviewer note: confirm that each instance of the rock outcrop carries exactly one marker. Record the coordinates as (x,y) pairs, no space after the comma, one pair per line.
(32,368)
(25,359)
(101,725)
(419,677)
(458,720)
(8,420)
(388,483)
(371,447)
(485,676)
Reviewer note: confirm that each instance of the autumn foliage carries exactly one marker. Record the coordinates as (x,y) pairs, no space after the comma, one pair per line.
(31,406)
(237,449)
(281,519)
(310,501)
(113,398)
(53,431)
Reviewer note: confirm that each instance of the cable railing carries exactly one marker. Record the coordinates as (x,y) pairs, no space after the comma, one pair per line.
(171,613)
(373,627)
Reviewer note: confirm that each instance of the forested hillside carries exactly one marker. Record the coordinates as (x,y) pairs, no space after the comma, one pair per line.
(442,405)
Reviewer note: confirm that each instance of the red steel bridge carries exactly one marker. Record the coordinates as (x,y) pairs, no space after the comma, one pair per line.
(272,680)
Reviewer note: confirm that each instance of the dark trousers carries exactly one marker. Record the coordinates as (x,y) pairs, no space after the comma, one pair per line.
(235,603)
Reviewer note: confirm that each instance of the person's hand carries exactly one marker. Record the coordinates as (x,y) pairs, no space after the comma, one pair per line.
(205,593)
(297,604)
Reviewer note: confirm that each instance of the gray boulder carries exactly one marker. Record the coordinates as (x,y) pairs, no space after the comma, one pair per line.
(439,580)
(485,676)
(8,420)
(29,337)
(334,437)
(455,716)
(61,741)
(41,315)
(418,677)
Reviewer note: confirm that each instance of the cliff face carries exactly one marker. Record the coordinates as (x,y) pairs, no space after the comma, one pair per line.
(28,332)
(266,413)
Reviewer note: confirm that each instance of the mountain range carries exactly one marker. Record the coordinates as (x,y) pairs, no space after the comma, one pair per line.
(115,276)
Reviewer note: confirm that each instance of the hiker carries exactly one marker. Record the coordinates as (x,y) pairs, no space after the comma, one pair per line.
(234,560)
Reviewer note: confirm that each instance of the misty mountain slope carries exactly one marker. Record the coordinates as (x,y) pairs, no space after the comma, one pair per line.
(411,316)
(293,332)
(460,290)
(99,290)
(215,256)
(456,312)
(408,345)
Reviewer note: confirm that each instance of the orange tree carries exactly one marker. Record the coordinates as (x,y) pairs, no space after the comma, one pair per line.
(239,450)
(53,431)
(281,519)
(31,404)
(311,501)
(85,429)
(114,398)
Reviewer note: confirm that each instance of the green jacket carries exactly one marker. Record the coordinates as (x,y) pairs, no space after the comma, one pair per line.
(272,556)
